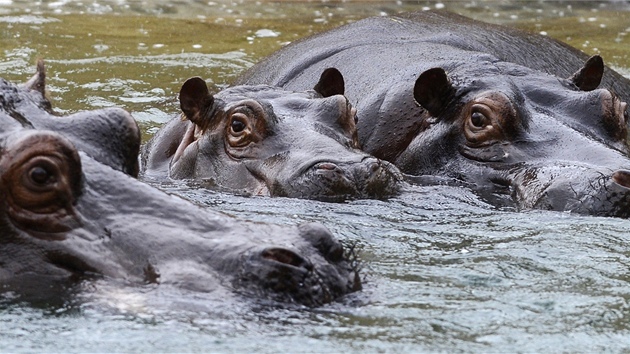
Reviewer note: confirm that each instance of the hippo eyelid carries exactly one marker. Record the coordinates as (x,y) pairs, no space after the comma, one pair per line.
(246,124)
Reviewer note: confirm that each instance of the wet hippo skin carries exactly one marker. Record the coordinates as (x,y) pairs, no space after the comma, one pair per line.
(69,212)
(263,140)
(524,120)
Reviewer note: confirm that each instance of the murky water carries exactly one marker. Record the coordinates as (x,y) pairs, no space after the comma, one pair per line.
(444,271)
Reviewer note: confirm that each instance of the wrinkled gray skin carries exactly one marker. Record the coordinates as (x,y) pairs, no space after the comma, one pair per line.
(267,141)
(66,216)
(518,117)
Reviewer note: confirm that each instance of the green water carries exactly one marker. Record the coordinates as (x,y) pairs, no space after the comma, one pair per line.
(444,271)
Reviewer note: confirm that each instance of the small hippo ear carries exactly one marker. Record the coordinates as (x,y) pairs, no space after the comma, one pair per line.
(194,98)
(330,83)
(589,77)
(433,90)
(38,81)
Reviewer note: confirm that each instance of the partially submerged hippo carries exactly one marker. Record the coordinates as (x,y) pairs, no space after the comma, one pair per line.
(516,116)
(70,213)
(268,141)
(111,136)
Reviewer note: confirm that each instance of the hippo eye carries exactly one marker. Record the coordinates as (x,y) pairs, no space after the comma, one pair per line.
(41,173)
(246,125)
(478,119)
(237,126)
(41,176)
(481,126)
(488,119)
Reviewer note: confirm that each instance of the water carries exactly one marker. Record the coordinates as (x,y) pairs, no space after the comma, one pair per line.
(444,271)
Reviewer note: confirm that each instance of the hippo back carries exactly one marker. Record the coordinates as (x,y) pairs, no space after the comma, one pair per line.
(291,66)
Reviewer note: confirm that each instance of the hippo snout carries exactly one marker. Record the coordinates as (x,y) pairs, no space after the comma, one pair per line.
(381,178)
(286,257)
(331,181)
(616,201)
(313,272)
(284,275)
(580,190)
(322,239)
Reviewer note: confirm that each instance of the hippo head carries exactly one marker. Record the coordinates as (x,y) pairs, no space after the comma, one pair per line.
(66,216)
(109,135)
(269,141)
(542,141)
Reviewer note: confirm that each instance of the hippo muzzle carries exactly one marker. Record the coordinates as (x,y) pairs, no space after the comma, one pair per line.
(337,181)
(283,271)
(577,188)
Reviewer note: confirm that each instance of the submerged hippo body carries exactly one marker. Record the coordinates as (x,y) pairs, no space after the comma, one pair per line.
(66,215)
(518,117)
(267,141)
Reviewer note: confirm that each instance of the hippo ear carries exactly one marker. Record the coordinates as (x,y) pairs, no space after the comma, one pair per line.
(194,98)
(433,90)
(330,83)
(38,81)
(589,77)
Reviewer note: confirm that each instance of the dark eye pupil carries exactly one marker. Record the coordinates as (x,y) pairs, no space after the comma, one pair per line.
(237,126)
(477,119)
(40,175)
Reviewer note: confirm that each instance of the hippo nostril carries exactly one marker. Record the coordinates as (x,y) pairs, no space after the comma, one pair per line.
(329,166)
(374,166)
(622,178)
(286,256)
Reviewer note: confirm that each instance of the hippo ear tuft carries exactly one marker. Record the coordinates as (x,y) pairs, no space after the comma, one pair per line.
(433,90)
(330,83)
(194,98)
(590,75)
(38,81)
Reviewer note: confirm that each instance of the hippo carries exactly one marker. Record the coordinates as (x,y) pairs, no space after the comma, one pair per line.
(263,140)
(526,121)
(69,212)
(110,136)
